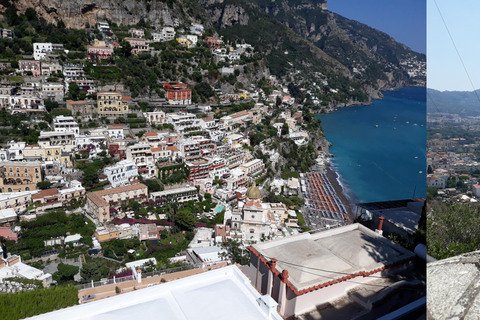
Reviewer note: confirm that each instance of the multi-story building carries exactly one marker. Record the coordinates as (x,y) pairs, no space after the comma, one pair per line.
(237,179)
(212,42)
(40,50)
(206,167)
(96,53)
(253,168)
(65,124)
(156,117)
(153,139)
(100,202)
(121,173)
(167,33)
(195,148)
(111,104)
(53,91)
(141,155)
(177,195)
(197,29)
(33,153)
(20,176)
(73,73)
(137,33)
(178,93)
(81,108)
(15,150)
(65,140)
(19,201)
(115,131)
(208,123)
(184,122)
(33,66)
(52,153)
(138,45)
(50,67)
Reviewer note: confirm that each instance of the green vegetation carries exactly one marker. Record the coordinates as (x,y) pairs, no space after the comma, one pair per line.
(453,229)
(27,304)
(65,272)
(51,225)
(235,252)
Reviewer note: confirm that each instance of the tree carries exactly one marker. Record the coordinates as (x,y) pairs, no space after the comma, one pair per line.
(154,185)
(65,272)
(429,170)
(452,230)
(235,252)
(285,129)
(44,184)
(185,219)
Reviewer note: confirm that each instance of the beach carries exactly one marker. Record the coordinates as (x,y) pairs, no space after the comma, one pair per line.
(333,178)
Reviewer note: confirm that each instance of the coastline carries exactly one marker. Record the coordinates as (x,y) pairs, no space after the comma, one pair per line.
(334,177)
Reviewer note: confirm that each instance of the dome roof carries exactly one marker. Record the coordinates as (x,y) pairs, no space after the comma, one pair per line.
(253,192)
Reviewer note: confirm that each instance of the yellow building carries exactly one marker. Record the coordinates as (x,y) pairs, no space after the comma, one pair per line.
(52,153)
(20,176)
(183,41)
(112,104)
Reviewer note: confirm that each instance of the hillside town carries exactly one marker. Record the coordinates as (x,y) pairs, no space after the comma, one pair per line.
(453,158)
(104,184)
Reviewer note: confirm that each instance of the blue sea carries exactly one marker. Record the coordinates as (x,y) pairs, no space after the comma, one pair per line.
(380,150)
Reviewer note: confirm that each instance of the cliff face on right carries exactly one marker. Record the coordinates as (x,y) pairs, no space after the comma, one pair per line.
(353,56)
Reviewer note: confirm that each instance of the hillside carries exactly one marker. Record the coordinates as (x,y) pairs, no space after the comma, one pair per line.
(326,60)
(463,103)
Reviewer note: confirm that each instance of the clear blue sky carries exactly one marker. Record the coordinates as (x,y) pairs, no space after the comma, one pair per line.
(445,71)
(404,20)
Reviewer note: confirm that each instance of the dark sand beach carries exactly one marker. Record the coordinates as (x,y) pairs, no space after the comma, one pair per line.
(333,178)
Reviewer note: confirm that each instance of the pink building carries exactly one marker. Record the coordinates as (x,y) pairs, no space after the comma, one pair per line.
(138,45)
(32,66)
(98,52)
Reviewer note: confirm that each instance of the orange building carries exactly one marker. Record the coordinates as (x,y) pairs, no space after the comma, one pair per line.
(178,93)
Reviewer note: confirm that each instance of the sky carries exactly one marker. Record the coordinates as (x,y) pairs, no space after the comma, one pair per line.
(404,20)
(445,71)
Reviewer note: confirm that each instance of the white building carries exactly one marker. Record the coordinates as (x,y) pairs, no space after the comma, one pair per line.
(168,33)
(121,173)
(213,295)
(66,140)
(40,50)
(184,122)
(346,260)
(66,124)
(155,117)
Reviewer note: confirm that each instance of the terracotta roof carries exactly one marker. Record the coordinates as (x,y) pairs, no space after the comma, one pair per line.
(208,119)
(45,193)
(97,196)
(156,149)
(173,148)
(253,203)
(151,134)
(126,98)
(239,114)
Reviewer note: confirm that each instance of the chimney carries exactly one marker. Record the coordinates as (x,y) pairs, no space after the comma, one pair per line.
(273,264)
(380,225)
(139,276)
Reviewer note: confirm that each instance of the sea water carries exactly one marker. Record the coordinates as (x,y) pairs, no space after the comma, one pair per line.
(380,150)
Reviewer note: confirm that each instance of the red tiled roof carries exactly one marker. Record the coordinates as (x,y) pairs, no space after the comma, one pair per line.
(173,148)
(45,193)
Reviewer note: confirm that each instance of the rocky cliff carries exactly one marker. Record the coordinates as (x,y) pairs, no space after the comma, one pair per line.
(77,13)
